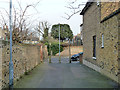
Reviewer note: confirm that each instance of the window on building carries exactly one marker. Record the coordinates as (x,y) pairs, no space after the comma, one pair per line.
(102,40)
(94,47)
(98,2)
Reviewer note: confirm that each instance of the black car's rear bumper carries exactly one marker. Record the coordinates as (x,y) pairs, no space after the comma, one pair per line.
(74,59)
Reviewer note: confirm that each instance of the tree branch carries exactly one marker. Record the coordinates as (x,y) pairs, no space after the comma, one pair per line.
(75,9)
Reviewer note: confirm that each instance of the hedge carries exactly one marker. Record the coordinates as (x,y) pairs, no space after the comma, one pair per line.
(54,47)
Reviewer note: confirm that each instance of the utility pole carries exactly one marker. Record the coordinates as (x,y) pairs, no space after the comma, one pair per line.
(11,62)
(50,52)
(59,45)
(69,52)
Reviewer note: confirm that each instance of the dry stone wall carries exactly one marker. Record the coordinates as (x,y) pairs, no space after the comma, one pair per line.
(25,58)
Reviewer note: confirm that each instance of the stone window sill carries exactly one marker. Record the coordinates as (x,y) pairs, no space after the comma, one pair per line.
(94,58)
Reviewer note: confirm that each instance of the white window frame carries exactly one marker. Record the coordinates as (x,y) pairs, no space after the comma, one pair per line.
(98,2)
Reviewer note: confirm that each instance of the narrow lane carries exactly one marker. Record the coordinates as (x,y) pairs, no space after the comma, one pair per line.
(64,75)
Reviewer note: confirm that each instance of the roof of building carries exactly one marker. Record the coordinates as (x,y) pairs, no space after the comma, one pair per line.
(78,36)
(32,38)
(88,4)
(35,39)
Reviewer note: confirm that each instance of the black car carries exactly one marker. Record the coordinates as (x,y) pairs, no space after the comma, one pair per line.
(75,57)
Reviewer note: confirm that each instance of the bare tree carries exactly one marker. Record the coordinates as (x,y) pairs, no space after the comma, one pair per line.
(42,28)
(21,21)
(74,7)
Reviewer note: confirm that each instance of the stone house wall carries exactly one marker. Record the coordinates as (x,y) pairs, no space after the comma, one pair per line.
(108,56)
(91,24)
(25,58)
(107,59)
(119,46)
(107,8)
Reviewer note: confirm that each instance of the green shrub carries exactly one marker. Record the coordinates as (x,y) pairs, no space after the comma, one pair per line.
(54,47)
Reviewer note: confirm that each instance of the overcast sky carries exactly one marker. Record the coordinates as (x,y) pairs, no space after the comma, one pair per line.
(52,11)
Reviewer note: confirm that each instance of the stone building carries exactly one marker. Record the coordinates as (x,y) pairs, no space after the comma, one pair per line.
(101,38)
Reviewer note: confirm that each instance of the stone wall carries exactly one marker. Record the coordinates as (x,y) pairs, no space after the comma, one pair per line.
(118,16)
(107,8)
(73,50)
(25,58)
(106,58)
(91,25)
(45,52)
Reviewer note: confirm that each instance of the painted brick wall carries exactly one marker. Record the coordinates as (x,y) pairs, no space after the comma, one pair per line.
(25,58)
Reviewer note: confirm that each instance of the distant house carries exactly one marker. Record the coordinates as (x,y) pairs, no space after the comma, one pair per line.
(81,33)
(77,41)
(101,37)
(33,40)
(4,32)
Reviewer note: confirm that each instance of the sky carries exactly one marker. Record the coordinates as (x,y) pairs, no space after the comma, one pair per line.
(52,11)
